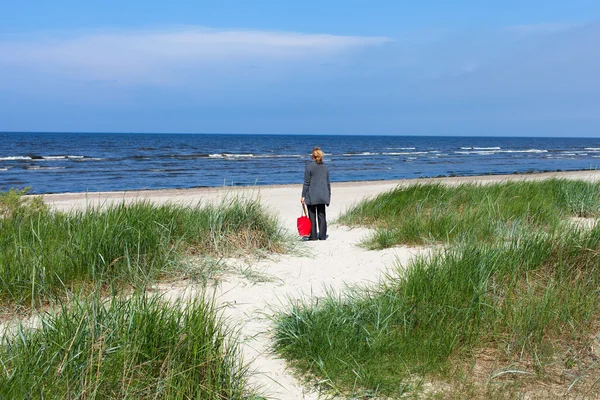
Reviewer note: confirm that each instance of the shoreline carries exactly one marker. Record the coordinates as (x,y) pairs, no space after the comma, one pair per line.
(59,165)
(574,174)
(284,199)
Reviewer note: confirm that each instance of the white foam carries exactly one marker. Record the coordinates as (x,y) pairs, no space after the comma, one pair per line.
(365,153)
(249,155)
(404,153)
(488,152)
(524,151)
(280,156)
(50,158)
(238,155)
(12,158)
(36,168)
(475,152)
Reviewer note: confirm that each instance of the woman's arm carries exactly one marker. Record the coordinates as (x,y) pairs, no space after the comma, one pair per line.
(306,184)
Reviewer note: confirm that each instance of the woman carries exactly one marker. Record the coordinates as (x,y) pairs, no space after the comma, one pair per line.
(316,194)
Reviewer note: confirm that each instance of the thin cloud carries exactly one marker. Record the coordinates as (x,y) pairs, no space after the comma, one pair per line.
(142,55)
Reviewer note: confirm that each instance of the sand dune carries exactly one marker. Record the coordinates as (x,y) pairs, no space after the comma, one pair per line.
(249,299)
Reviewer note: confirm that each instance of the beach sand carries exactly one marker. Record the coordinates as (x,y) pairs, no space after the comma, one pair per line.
(251,296)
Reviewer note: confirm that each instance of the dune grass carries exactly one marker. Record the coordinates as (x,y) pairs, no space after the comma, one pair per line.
(525,287)
(422,214)
(524,299)
(112,340)
(135,348)
(44,253)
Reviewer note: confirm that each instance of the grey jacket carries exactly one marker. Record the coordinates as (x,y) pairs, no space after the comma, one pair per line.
(316,188)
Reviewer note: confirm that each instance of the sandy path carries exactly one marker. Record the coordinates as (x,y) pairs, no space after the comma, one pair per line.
(333,263)
(248,303)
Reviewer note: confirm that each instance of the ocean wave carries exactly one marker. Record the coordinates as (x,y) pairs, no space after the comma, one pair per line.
(523,151)
(480,148)
(250,155)
(592,148)
(284,155)
(404,153)
(475,152)
(61,157)
(38,168)
(14,158)
(400,148)
(364,153)
(489,152)
(40,158)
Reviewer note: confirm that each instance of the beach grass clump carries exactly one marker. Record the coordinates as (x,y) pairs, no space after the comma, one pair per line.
(528,300)
(421,214)
(140,348)
(15,203)
(44,253)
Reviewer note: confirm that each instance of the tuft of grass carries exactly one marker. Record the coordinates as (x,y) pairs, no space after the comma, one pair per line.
(43,253)
(140,347)
(530,298)
(14,203)
(420,214)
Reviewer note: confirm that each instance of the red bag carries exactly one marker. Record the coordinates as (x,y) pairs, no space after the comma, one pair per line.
(303,223)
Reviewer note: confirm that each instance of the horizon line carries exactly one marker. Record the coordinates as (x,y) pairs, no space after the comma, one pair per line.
(296,134)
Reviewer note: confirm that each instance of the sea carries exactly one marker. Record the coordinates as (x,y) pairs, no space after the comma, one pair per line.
(92,162)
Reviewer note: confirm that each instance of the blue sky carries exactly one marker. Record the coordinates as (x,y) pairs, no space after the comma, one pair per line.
(517,68)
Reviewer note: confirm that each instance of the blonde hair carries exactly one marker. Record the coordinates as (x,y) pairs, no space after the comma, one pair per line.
(317,155)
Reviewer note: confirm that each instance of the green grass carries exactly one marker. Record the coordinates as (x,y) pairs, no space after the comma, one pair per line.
(138,348)
(104,344)
(44,253)
(524,287)
(422,214)
(520,298)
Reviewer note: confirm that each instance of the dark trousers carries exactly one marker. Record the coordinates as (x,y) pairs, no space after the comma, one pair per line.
(316,212)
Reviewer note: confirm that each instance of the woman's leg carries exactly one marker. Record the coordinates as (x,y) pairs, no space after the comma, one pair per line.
(322,221)
(312,214)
